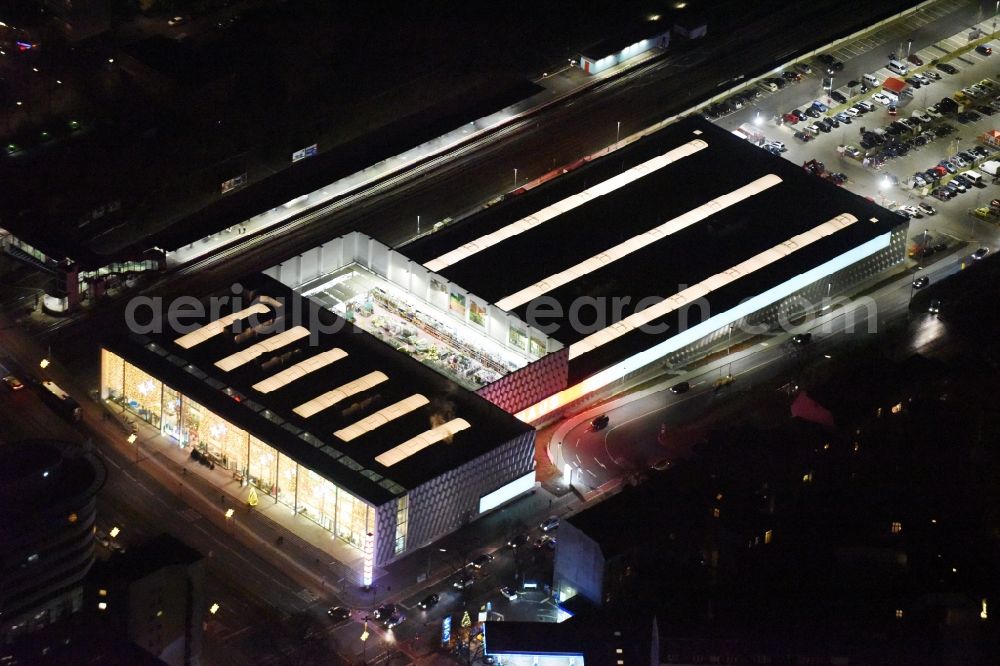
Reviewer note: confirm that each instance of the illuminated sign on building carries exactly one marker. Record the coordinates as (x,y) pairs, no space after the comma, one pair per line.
(446,630)
(369,558)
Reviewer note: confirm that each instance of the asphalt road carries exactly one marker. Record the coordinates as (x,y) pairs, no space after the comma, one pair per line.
(632,441)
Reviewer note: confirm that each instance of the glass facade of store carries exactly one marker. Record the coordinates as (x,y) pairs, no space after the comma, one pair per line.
(193,426)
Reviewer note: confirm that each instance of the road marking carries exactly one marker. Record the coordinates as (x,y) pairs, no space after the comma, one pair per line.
(190,515)
(603,466)
(307,595)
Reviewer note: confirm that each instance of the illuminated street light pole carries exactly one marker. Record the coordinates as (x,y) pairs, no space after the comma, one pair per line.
(515,178)
(618,133)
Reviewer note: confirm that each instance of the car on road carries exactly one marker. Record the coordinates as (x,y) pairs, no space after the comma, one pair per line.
(947,69)
(892,110)
(482,560)
(935,306)
(921,282)
(600,422)
(980,253)
(338,613)
(545,541)
(802,136)
(518,540)
(722,382)
(802,338)
(430,601)
(177,20)
(680,387)
(915,59)
(927,209)
(508,592)
(838,97)
(550,523)
(13,383)
(984,49)
(882,99)
(463,582)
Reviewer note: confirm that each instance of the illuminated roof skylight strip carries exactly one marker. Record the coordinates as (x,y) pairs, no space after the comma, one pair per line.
(567,204)
(381,417)
(421,442)
(278,341)
(707,286)
(330,398)
(212,329)
(299,370)
(638,242)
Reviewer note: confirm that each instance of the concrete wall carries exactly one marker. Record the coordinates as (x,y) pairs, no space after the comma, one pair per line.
(579,565)
(451,500)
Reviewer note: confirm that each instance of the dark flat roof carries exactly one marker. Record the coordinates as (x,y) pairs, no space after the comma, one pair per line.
(351,465)
(726,238)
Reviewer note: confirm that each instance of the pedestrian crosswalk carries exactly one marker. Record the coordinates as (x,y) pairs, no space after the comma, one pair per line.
(306,595)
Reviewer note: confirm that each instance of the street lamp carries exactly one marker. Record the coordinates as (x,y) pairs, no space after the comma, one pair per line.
(883,185)
(44,363)
(757,119)
(618,133)
(364,643)
(515,178)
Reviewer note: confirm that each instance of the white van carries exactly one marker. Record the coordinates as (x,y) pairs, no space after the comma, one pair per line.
(974,176)
(871,80)
(893,97)
(898,67)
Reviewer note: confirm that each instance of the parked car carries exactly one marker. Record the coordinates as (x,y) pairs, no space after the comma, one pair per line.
(947,69)
(430,601)
(550,523)
(509,592)
(927,208)
(338,613)
(13,383)
(915,59)
(390,615)
(812,112)
(518,540)
(844,117)
(804,68)
(838,97)
(802,136)
(882,99)
(819,106)
(791,76)
(984,49)
(790,118)
(482,560)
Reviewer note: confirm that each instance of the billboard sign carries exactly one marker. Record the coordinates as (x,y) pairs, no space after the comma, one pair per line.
(446,631)
(308,151)
(233,183)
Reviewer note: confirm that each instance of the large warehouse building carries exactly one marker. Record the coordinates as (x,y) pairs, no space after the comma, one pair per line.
(383,407)
(372,445)
(651,253)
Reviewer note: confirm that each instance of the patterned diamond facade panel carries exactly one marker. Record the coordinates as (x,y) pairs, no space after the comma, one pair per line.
(451,500)
(532,383)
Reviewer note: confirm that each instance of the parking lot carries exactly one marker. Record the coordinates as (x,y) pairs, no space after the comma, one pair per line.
(888,179)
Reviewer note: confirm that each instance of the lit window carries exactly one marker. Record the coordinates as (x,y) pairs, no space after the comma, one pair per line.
(897,527)
(767,536)
(897,408)
(715,512)
(102,606)
(899,613)
(102,592)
